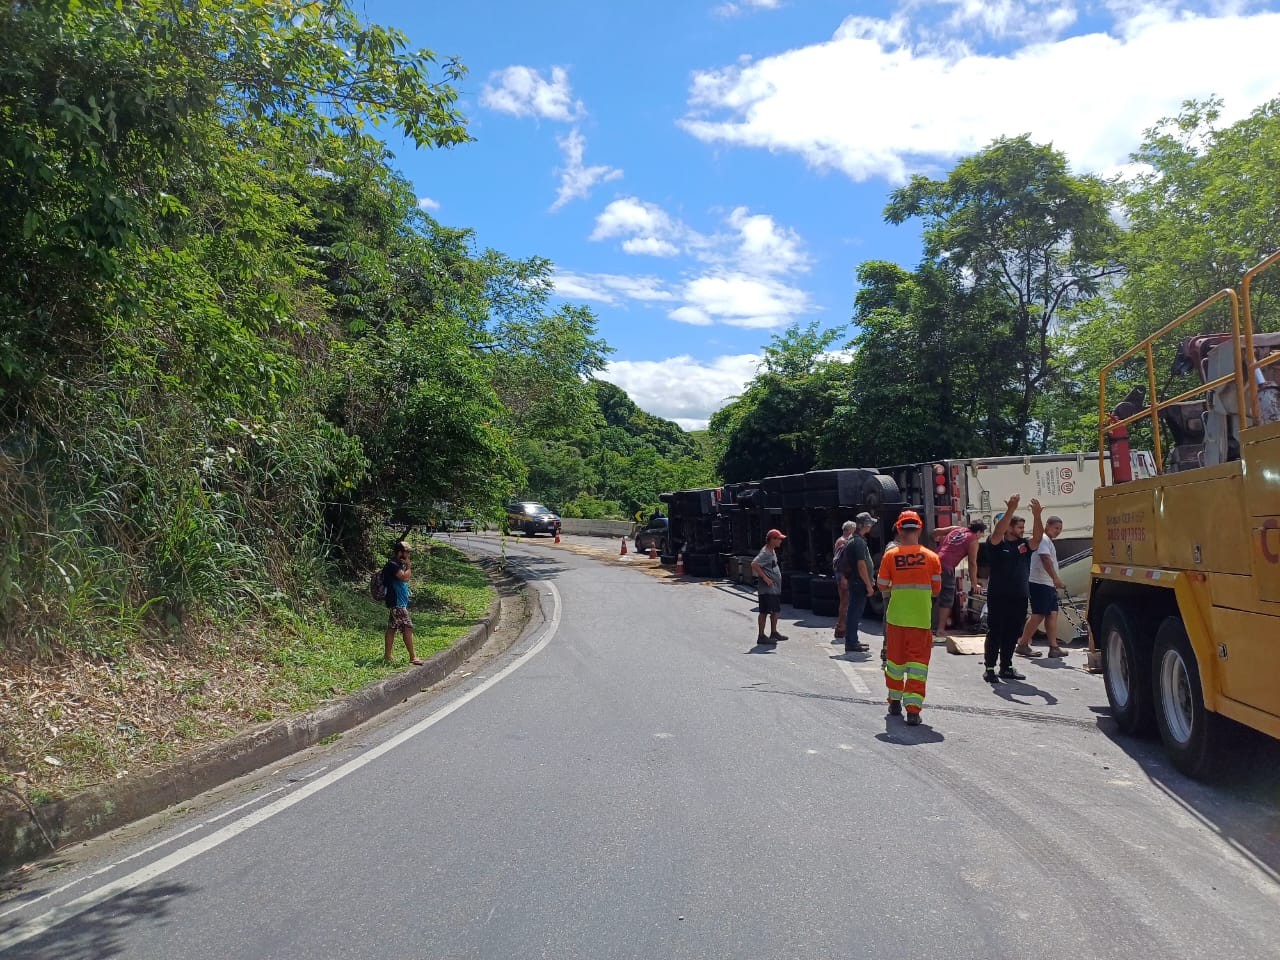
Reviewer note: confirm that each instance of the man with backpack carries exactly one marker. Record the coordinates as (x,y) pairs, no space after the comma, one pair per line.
(852,566)
(396,575)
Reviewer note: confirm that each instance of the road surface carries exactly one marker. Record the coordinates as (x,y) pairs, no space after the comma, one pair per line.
(633,778)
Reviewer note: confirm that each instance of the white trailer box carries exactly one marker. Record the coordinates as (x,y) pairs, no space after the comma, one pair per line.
(1063,483)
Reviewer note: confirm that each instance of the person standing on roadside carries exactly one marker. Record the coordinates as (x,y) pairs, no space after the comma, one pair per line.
(1007,587)
(769,587)
(856,583)
(911,576)
(842,584)
(396,576)
(1044,586)
(954,545)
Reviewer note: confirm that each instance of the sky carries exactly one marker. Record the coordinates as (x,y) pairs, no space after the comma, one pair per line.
(704,173)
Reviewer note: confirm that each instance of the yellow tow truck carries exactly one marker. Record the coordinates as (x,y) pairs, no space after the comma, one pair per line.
(1185,592)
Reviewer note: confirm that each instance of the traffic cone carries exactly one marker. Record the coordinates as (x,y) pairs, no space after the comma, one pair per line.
(623,551)
(557,540)
(680,564)
(653,553)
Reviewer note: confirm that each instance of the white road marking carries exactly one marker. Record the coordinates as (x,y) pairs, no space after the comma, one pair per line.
(850,670)
(52,918)
(141,853)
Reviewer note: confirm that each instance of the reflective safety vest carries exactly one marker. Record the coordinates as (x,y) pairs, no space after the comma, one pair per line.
(914,574)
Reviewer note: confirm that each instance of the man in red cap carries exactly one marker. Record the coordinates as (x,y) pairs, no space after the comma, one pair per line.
(769,587)
(912,576)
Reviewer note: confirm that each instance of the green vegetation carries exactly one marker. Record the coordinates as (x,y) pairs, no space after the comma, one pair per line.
(1031,280)
(62,730)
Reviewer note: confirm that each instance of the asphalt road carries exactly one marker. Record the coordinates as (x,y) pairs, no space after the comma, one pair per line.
(633,778)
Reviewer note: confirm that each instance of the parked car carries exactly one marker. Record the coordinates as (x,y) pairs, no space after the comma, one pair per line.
(652,534)
(532,518)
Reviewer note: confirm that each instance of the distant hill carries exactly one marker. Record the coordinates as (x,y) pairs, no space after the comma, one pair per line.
(628,427)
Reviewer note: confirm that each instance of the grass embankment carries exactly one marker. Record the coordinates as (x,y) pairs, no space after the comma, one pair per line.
(70,722)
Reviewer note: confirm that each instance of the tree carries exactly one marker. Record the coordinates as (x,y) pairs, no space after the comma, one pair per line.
(1014,221)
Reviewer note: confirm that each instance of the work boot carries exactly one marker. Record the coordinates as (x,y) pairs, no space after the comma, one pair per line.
(776,636)
(1008,673)
(895,708)
(990,675)
(913,719)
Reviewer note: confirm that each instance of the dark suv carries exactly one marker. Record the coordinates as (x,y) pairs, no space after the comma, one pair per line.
(652,534)
(530,518)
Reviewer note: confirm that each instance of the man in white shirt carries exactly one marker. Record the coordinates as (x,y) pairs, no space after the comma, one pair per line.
(1043,587)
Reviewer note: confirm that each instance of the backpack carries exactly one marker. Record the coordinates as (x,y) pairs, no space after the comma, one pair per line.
(378,586)
(838,567)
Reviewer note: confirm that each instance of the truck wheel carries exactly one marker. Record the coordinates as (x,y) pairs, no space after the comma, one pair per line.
(878,491)
(1191,734)
(1126,671)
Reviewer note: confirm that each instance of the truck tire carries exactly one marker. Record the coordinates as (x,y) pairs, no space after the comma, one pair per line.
(1191,734)
(878,491)
(1126,671)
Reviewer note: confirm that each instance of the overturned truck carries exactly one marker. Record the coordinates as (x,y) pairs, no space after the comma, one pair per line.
(718,530)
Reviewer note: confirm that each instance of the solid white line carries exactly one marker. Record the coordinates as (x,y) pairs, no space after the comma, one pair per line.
(140,853)
(51,919)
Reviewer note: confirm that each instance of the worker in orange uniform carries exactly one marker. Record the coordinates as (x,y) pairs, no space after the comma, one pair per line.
(911,576)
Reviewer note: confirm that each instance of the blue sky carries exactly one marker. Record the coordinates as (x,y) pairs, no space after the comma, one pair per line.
(705,172)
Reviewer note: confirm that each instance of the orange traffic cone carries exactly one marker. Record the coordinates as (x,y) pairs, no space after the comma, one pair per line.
(557,540)
(680,564)
(623,551)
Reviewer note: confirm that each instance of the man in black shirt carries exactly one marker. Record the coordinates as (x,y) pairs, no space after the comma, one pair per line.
(1007,591)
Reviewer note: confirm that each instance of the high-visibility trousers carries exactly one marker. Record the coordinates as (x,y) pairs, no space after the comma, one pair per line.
(906,664)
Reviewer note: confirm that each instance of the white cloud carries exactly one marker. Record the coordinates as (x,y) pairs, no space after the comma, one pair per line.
(763,246)
(610,288)
(734,7)
(738,300)
(426,203)
(576,180)
(681,388)
(523,92)
(631,217)
(653,246)
(878,100)
(741,280)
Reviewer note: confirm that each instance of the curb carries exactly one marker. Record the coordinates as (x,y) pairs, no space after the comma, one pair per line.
(111,805)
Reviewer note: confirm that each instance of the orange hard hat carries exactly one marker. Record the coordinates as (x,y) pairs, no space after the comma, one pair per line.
(909,520)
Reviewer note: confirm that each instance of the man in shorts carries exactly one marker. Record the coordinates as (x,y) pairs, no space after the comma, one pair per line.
(396,575)
(769,587)
(1044,586)
(955,544)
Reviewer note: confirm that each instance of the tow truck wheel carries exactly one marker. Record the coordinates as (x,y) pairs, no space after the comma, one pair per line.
(1189,731)
(1126,671)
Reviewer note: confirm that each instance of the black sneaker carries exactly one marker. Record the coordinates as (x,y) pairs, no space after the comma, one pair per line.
(895,708)
(1008,673)
(913,719)
(856,647)
(775,637)
(990,675)
(763,641)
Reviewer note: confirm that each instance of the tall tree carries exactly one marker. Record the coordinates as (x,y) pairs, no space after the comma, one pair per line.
(1017,222)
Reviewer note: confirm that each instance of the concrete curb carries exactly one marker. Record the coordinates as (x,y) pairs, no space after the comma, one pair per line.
(111,805)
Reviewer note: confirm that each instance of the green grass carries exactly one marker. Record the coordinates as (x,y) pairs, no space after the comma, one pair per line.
(327,655)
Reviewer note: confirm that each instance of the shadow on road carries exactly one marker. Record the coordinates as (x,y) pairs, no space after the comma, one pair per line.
(96,933)
(1011,690)
(1241,804)
(897,732)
